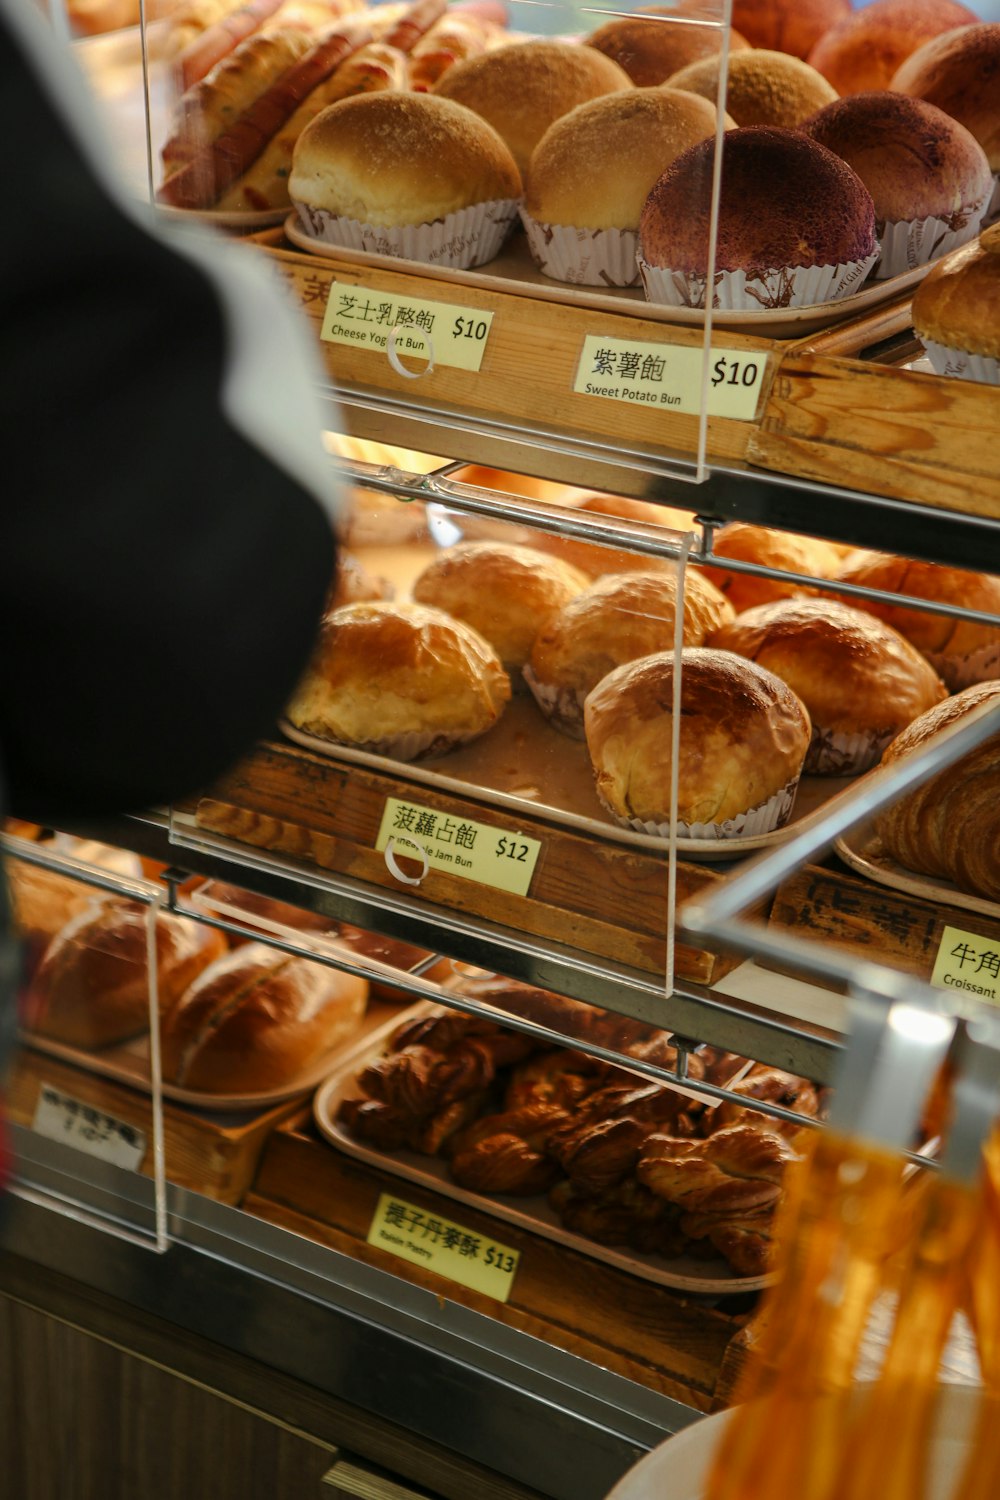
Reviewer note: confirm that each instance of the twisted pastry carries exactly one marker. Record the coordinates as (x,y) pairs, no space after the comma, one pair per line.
(746,1241)
(443,1029)
(770,1084)
(506,1153)
(734,1172)
(627,1214)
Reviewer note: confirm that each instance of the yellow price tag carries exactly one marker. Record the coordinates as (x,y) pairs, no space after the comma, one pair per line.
(423,1239)
(443,333)
(668,376)
(968,964)
(497,857)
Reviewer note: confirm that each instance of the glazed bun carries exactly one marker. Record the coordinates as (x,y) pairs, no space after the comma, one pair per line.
(783,550)
(595,166)
(959,71)
(743,738)
(651,47)
(400,678)
(949,826)
(520,90)
(866,48)
(399,159)
(256,1019)
(617,619)
(957,305)
(861,681)
(505,592)
(915,160)
(764,88)
(91,988)
(793,26)
(962,651)
(595,560)
(785,201)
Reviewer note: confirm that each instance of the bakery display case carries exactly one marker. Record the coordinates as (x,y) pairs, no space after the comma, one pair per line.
(548,961)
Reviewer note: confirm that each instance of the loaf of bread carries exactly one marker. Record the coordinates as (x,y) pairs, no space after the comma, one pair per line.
(950,826)
(258,1019)
(91,988)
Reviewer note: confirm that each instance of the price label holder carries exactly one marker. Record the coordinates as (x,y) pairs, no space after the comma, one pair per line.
(442,332)
(968,965)
(668,376)
(502,858)
(420,1237)
(59,1117)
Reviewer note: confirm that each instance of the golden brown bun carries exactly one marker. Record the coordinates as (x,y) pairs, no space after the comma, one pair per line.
(959,71)
(91,987)
(856,675)
(506,593)
(743,736)
(945,640)
(958,302)
(616,620)
(397,159)
(382,671)
(865,49)
(593,559)
(785,202)
(765,88)
(44,903)
(949,826)
(595,166)
(915,160)
(649,48)
(793,26)
(783,550)
(256,1020)
(521,89)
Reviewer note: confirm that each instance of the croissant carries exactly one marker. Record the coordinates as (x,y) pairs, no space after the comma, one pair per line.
(503,1163)
(532,1123)
(600,1156)
(950,825)
(444,1029)
(561,1076)
(628,1214)
(435,1134)
(382,1124)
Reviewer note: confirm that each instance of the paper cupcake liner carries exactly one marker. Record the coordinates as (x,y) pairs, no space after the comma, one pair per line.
(960,364)
(993,207)
(417,745)
(562,706)
(832,753)
(959,672)
(467,238)
(585,257)
(907,243)
(769,815)
(791,286)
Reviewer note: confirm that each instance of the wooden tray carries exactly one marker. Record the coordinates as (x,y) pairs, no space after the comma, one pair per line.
(215,1154)
(514,270)
(862,849)
(662,1339)
(684,1273)
(592,893)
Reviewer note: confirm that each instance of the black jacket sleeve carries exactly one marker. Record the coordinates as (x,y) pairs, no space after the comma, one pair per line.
(162,578)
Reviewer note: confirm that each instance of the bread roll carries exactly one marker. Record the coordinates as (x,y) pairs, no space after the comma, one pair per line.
(785,201)
(916,161)
(793,26)
(398,159)
(403,679)
(651,47)
(950,826)
(505,593)
(44,903)
(596,561)
(616,620)
(782,550)
(959,71)
(91,987)
(957,305)
(743,738)
(861,681)
(595,166)
(521,89)
(256,1020)
(764,88)
(864,50)
(962,651)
